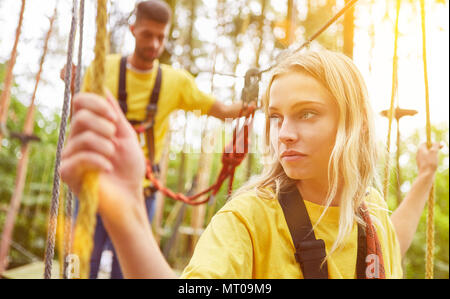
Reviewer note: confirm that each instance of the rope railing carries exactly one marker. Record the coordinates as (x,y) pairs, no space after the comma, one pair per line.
(391,107)
(429,257)
(50,246)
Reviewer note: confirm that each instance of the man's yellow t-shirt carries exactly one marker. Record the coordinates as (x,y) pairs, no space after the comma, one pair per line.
(249,238)
(178,91)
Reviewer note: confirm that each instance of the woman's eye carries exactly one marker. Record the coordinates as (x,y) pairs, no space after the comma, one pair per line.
(307,114)
(275,118)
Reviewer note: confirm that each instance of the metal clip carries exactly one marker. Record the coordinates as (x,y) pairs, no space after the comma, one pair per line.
(250,92)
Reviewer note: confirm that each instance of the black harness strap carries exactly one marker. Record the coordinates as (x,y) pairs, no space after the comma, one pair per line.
(151,107)
(123,85)
(309,251)
(151,113)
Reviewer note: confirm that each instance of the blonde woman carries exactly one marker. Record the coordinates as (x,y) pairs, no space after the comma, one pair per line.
(322,145)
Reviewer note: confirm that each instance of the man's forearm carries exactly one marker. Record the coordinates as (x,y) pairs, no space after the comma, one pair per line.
(223,111)
(406,217)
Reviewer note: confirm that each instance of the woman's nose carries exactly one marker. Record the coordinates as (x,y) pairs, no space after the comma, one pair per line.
(288,132)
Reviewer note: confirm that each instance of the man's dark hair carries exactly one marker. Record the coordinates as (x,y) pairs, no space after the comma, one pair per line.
(155,10)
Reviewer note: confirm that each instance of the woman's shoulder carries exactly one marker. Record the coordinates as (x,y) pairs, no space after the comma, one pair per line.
(251,204)
(378,208)
(374,199)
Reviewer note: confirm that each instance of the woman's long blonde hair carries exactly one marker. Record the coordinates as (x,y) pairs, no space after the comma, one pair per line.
(352,163)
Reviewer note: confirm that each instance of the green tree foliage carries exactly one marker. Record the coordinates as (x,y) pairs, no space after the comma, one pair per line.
(31,223)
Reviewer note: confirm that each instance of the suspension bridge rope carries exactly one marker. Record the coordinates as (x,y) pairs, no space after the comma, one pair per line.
(391,109)
(69,200)
(50,247)
(429,257)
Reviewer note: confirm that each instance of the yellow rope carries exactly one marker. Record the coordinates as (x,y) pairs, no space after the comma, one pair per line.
(391,109)
(84,231)
(430,216)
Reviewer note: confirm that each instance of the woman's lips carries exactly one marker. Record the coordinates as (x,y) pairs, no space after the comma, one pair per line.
(291,156)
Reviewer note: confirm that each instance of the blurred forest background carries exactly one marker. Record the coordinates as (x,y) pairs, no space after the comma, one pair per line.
(209,38)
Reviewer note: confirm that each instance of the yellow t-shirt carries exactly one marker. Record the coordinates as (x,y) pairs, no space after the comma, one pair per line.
(178,91)
(249,238)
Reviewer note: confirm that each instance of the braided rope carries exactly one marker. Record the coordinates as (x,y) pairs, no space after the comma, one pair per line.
(431,200)
(84,230)
(391,109)
(80,48)
(69,199)
(50,248)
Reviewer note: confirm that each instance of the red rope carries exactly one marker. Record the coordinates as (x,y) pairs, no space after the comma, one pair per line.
(232,157)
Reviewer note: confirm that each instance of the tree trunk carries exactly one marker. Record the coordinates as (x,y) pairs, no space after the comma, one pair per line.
(5,96)
(349,28)
(258,53)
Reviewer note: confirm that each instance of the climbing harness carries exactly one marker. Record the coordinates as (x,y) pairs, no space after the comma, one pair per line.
(144,128)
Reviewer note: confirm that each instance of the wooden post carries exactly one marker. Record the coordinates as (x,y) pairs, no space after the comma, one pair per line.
(205,161)
(238,43)
(5,97)
(258,53)
(198,212)
(292,23)
(159,208)
(349,28)
(23,162)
